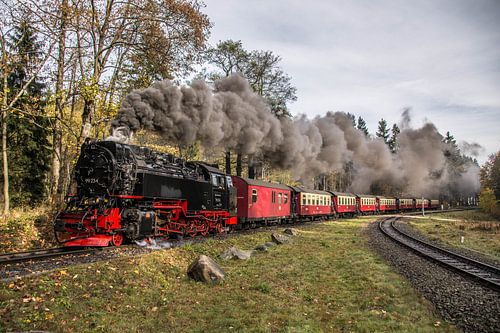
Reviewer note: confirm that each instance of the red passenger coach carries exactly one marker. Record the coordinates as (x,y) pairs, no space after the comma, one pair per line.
(261,202)
(367,204)
(386,204)
(313,203)
(406,204)
(434,204)
(344,203)
(420,202)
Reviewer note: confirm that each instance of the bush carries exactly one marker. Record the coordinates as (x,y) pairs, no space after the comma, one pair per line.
(487,201)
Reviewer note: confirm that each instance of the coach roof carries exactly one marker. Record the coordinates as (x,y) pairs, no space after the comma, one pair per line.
(257,182)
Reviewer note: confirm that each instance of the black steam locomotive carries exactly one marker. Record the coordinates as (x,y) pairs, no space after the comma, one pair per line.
(135,192)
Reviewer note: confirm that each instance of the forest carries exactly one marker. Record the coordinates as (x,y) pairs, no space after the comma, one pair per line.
(67,65)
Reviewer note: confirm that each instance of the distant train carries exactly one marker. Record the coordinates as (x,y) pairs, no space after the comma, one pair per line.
(127,192)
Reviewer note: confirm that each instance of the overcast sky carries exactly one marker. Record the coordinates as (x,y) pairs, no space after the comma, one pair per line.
(374,58)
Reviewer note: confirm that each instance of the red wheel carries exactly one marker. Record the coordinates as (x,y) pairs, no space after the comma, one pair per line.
(117,240)
(205,231)
(219,229)
(192,231)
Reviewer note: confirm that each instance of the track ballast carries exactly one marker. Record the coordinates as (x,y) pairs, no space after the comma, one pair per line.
(484,273)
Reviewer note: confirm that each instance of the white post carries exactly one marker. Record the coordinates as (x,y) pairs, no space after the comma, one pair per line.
(423,212)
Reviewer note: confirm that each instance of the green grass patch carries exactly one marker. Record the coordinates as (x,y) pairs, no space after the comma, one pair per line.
(480,234)
(327,280)
(474,215)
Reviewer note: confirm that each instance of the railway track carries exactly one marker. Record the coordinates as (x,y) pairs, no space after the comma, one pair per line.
(484,273)
(16,257)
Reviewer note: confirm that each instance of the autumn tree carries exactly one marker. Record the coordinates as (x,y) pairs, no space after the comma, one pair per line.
(490,174)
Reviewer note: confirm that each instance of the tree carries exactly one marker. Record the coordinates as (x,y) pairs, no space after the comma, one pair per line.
(261,69)
(449,139)
(228,57)
(362,126)
(393,141)
(269,81)
(152,39)
(352,117)
(490,174)
(383,131)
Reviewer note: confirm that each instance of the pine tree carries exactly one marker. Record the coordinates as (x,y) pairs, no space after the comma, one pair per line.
(450,139)
(352,117)
(383,131)
(393,141)
(362,126)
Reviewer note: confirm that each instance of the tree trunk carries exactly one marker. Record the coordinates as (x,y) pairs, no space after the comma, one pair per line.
(238,165)
(5,164)
(57,135)
(251,168)
(228,162)
(88,109)
(6,198)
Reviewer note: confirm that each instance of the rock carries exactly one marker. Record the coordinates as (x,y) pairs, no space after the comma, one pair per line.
(269,244)
(262,248)
(234,252)
(205,269)
(280,239)
(291,231)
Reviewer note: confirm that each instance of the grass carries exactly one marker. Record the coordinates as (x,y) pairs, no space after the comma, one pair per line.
(327,280)
(481,233)
(468,215)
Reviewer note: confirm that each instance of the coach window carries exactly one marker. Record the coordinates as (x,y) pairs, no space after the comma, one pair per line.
(286,197)
(280,198)
(254,196)
(273,197)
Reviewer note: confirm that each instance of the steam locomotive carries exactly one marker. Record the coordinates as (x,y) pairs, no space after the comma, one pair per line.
(126,191)
(132,192)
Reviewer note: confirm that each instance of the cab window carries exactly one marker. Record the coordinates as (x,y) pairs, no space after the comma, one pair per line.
(254,196)
(273,197)
(280,198)
(286,198)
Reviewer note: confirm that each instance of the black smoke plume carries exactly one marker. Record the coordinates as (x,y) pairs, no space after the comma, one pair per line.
(231,116)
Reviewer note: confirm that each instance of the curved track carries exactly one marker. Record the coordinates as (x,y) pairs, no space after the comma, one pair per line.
(15,257)
(484,273)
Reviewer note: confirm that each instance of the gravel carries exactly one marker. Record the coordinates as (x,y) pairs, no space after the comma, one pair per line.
(456,298)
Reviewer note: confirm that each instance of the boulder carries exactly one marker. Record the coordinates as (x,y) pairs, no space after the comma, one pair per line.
(205,269)
(235,253)
(262,248)
(280,239)
(291,231)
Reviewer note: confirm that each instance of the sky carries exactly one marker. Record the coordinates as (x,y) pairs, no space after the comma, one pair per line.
(374,58)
